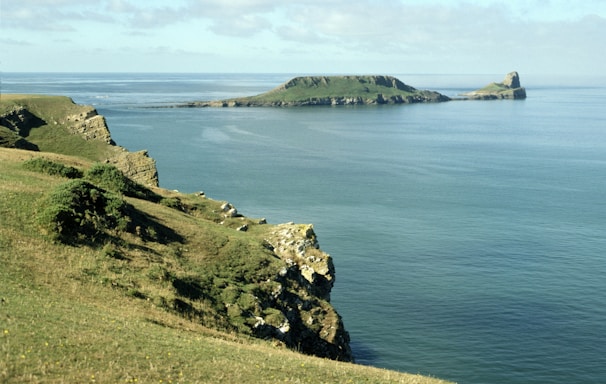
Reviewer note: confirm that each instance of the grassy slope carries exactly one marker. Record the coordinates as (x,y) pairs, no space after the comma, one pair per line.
(493,88)
(93,313)
(66,317)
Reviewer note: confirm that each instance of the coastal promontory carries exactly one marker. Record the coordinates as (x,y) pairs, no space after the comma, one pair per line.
(184,254)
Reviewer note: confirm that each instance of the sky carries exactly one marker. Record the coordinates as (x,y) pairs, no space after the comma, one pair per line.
(296,36)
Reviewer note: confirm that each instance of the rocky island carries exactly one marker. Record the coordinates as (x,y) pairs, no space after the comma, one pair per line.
(332,90)
(509,88)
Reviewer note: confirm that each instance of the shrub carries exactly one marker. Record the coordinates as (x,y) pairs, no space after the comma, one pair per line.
(112,179)
(77,210)
(52,168)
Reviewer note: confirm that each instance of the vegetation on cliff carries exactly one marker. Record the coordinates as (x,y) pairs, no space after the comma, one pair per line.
(107,280)
(334,90)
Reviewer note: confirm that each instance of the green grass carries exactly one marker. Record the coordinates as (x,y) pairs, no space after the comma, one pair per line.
(105,312)
(493,87)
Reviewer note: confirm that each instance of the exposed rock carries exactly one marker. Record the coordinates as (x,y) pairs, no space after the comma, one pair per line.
(310,323)
(138,166)
(512,80)
(230,210)
(90,125)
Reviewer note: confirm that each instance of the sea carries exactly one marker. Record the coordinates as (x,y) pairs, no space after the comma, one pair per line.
(469,237)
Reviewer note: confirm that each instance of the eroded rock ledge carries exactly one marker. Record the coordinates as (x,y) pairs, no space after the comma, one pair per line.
(89,124)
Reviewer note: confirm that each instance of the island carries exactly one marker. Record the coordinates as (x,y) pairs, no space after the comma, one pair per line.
(332,90)
(509,88)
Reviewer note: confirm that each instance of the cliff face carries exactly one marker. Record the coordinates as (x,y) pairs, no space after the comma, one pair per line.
(137,166)
(89,124)
(311,323)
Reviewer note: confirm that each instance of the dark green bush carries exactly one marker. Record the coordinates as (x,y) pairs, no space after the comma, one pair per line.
(112,179)
(79,211)
(42,165)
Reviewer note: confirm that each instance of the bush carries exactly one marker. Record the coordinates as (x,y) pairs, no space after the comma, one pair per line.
(77,210)
(42,165)
(112,179)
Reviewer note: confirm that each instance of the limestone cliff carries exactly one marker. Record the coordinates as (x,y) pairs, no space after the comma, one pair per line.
(138,166)
(311,323)
(89,124)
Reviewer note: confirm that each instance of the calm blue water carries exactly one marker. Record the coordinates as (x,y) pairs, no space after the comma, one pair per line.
(469,237)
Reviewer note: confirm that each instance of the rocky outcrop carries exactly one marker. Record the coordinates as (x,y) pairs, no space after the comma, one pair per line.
(509,88)
(297,245)
(512,80)
(310,322)
(137,166)
(90,125)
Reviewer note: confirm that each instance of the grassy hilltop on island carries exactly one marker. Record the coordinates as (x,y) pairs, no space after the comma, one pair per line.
(106,279)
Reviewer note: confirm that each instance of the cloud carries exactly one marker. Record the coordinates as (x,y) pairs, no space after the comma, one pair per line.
(51,15)
(442,33)
(15,42)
